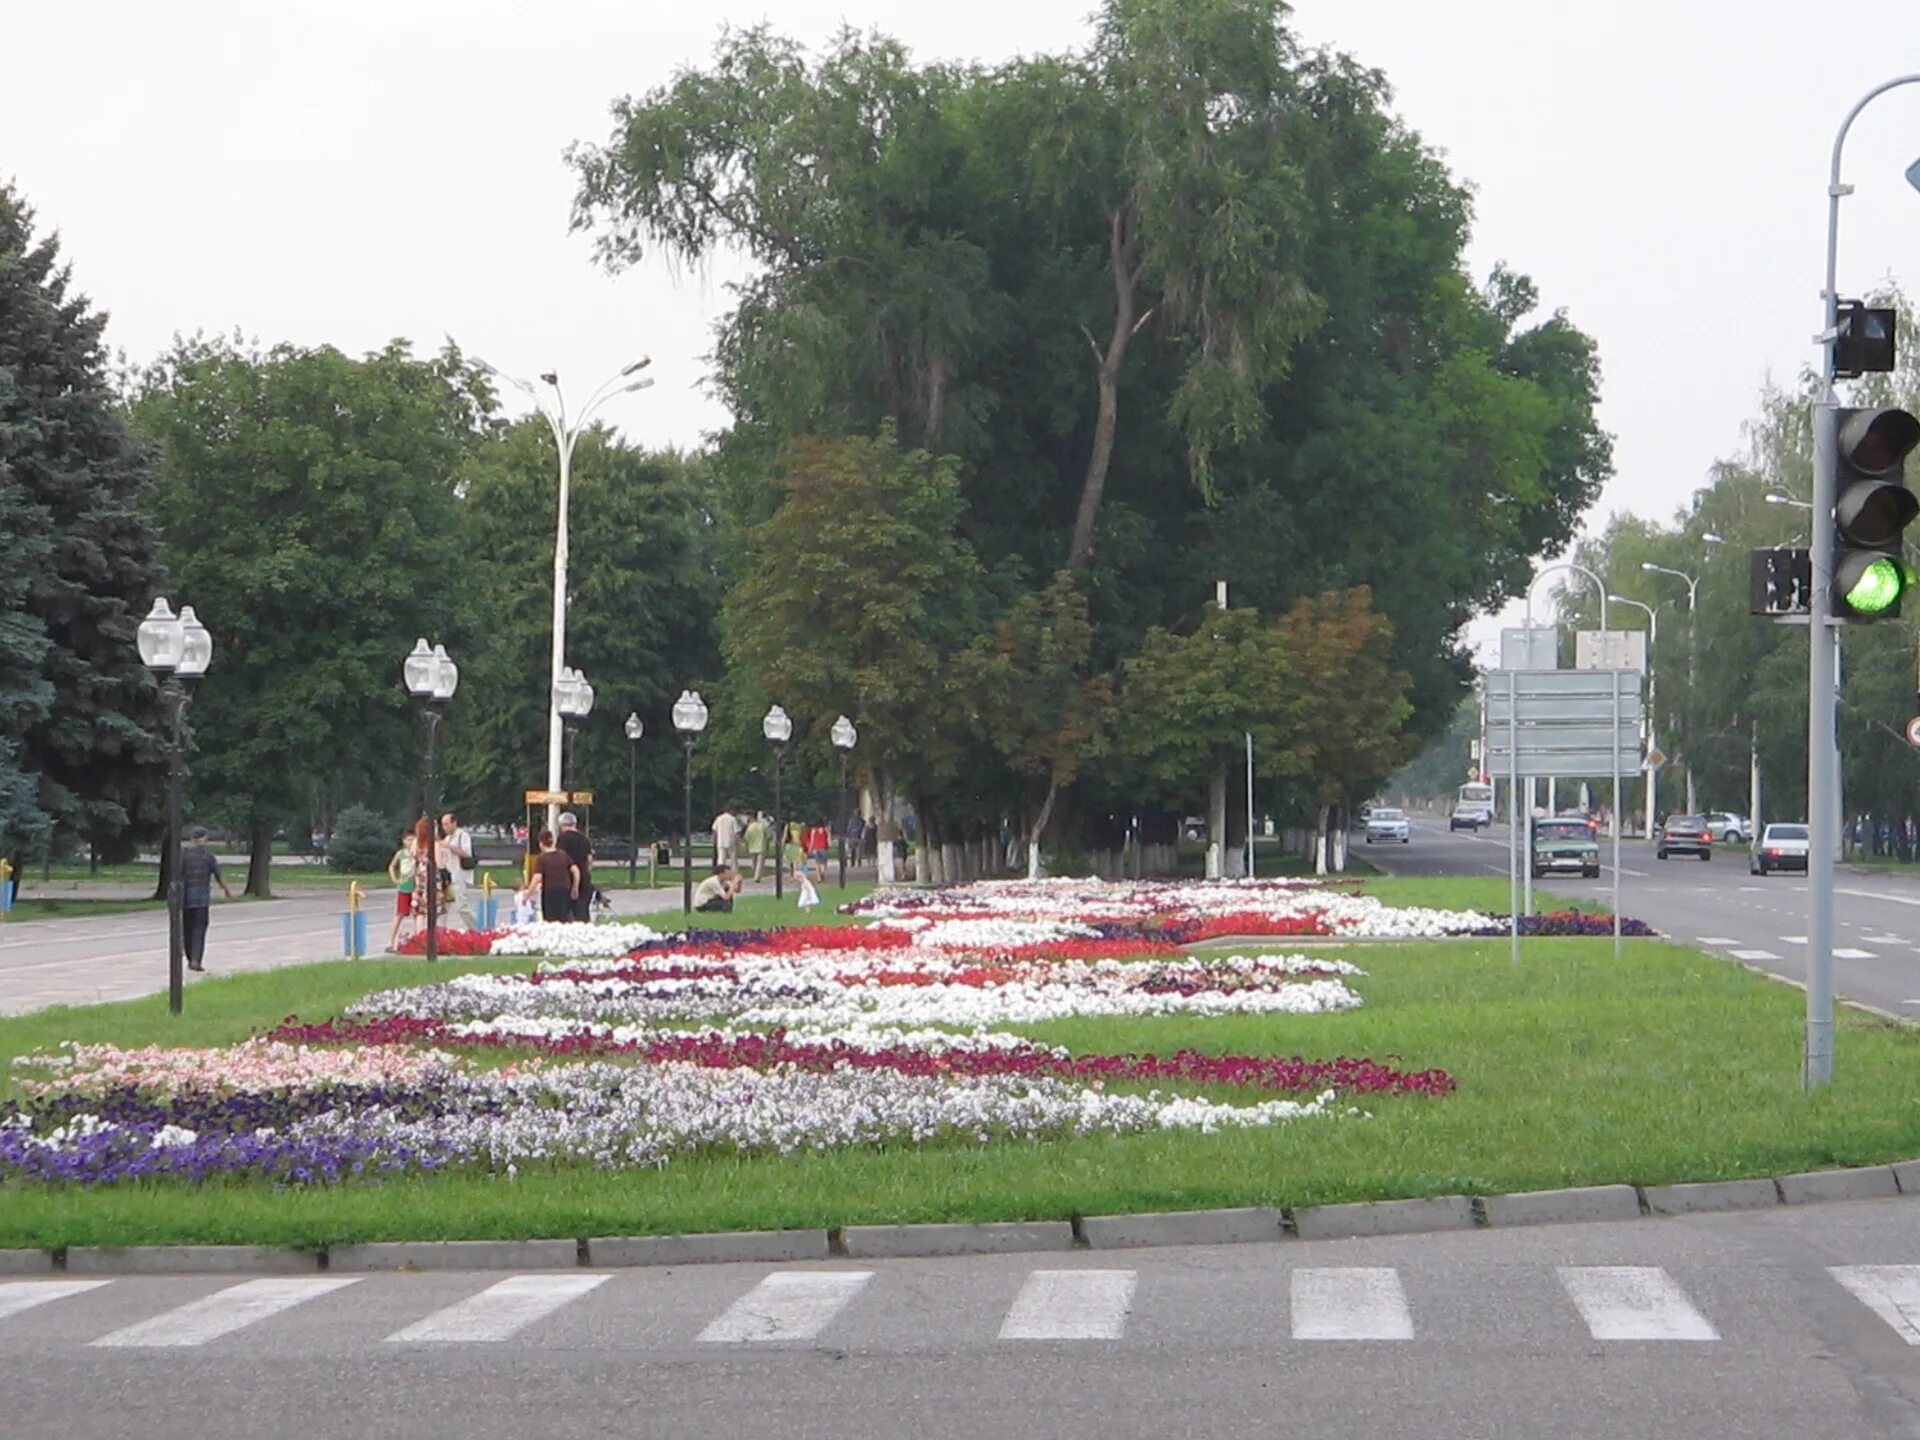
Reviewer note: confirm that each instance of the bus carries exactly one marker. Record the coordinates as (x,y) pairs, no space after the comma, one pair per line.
(1472,808)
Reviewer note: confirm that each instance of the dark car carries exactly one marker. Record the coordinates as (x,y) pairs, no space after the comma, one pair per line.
(1686,835)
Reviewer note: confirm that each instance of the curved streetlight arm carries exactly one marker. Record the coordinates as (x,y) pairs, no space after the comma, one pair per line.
(1836,192)
(1599,589)
(1693,581)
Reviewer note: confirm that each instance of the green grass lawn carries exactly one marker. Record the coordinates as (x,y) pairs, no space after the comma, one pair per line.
(1573,1068)
(67,909)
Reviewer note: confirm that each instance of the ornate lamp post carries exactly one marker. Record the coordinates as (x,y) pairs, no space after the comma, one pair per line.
(573,700)
(635,728)
(689,718)
(431,678)
(844,736)
(778,728)
(177,649)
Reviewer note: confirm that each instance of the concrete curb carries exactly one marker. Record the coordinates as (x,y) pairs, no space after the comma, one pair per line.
(1578,1205)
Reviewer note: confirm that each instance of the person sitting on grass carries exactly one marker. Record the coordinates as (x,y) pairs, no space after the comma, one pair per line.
(718,890)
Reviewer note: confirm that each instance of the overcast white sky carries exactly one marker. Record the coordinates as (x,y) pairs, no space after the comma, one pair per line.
(356,170)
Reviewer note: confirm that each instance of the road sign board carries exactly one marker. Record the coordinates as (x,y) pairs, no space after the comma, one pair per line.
(1656,758)
(1913,732)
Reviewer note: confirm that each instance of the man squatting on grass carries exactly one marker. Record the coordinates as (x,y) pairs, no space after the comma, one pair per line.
(199,871)
(717,891)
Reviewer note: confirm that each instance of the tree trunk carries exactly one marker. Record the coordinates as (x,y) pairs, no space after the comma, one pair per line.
(168,850)
(1122,248)
(1040,824)
(1216,823)
(260,860)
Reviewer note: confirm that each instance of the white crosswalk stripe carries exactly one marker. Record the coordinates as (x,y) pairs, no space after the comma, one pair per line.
(1070,1305)
(1633,1302)
(224,1312)
(18,1295)
(1753,955)
(1891,1291)
(1718,940)
(1351,1303)
(790,1305)
(1851,954)
(501,1311)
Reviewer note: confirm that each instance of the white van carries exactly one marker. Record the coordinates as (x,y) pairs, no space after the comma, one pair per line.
(1472,808)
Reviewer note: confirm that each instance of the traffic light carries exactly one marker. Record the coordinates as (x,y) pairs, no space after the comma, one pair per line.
(1780,581)
(1872,507)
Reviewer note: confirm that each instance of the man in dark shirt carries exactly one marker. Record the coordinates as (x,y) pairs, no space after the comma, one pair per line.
(574,846)
(558,878)
(199,873)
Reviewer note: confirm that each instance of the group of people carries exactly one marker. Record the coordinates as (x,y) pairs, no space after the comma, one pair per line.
(432,870)
(804,851)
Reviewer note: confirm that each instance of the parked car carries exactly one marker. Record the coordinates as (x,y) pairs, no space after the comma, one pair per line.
(1685,835)
(1566,844)
(1728,827)
(1781,847)
(1384,825)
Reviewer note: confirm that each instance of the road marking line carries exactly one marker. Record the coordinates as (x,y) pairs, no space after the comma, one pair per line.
(223,1312)
(1891,1291)
(792,1305)
(1753,955)
(1793,939)
(1884,939)
(1854,955)
(1350,1303)
(1718,940)
(501,1311)
(1633,1302)
(18,1295)
(1877,895)
(1752,889)
(1070,1305)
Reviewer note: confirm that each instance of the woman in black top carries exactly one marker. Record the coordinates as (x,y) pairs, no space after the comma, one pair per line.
(559,880)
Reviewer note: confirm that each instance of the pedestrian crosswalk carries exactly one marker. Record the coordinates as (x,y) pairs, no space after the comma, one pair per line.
(1309,1305)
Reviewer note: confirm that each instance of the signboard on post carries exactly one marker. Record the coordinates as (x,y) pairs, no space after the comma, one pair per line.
(1913,732)
(1610,650)
(1537,648)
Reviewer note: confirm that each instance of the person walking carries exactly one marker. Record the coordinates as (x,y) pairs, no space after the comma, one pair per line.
(559,880)
(794,852)
(576,848)
(726,837)
(403,871)
(756,840)
(456,849)
(199,873)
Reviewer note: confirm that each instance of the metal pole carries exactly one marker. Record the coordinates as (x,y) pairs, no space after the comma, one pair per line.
(1693,665)
(1613,722)
(686,846)
(633,813)
(1249,804)
(563,441)
(779,823)
(1753,785)
(176,885)
(433,840)
(1513,805)
(1526,850)
(843,819)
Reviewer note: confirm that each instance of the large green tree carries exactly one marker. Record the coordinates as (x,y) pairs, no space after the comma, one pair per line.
(308,511)
(78,713)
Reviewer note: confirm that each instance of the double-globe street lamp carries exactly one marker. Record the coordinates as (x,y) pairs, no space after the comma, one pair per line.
(777,726)
(572,702)
(635,728)
(844,736)
(689,718)
(177,649)
(431,678)
(566,434)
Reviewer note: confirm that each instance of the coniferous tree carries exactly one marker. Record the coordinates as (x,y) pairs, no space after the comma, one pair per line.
(78,712)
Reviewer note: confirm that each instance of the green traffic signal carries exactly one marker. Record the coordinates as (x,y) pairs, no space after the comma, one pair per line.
(1879,586)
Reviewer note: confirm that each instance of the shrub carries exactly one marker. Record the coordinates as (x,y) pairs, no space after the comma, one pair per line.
(362,840)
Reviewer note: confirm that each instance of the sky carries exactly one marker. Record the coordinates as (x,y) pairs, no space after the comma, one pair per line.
(353,171)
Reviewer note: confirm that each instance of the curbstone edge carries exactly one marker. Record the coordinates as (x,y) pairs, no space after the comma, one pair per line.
(26,1262)
(1183,1227)
(1906,1174)
(1868,1182)
(190,1260)
(1384,1217)
(884,1242)
(457,1255)
(1568,1206)
(748,1245)
(1701,1197)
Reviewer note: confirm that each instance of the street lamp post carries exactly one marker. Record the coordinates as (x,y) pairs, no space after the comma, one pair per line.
(573,702)
(1693,659)
(566,434)
(689,718)
(635,728)
(777,726)
(177,649)
(431,678)
(1653,695)
(844,736)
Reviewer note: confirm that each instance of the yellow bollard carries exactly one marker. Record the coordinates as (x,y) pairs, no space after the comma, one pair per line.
(6,878)
(355,949)
(488,919)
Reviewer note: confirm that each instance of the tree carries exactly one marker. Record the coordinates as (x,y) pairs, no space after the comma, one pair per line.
(642,622)
(857,595)
(78,712)
(307,508)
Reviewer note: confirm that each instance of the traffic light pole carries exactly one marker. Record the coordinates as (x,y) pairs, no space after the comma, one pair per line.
(1823,816)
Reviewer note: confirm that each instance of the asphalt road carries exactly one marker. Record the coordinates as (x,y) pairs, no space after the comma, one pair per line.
(1773,1323)
(1718,906)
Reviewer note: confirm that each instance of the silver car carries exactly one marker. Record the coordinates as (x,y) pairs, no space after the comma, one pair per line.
(1385,825)
(1781,847)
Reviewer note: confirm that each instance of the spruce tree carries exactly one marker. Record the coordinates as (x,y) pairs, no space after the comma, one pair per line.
(78,712)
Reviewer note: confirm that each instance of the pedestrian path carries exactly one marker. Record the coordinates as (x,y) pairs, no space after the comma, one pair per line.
(1538,1306)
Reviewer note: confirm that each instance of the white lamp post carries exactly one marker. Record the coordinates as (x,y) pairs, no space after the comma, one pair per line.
(635,728)
(177,649)
(844,738)
(777,726)
(431,678)
(689,718)
(566,434)
(1653,697)
(1693,657)
(573,702)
